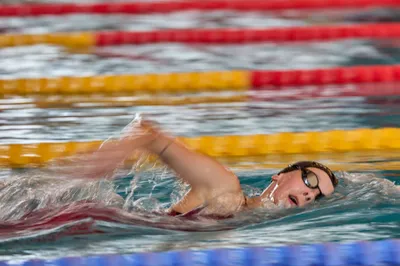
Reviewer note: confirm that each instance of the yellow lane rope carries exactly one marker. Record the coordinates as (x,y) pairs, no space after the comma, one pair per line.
(16,155)
(339,161)
(72,40)
(135,84)
(351,166)
(224,80)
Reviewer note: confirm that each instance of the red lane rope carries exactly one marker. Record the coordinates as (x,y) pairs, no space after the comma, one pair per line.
(315,33)
(326,91)
(172,6)
(340,75)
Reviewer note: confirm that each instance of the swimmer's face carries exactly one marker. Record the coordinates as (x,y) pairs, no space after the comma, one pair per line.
(291,189)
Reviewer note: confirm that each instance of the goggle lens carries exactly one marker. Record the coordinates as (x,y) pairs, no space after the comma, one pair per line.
(311,180)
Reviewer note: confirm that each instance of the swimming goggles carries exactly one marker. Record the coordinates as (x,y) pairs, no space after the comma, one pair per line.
(309,178)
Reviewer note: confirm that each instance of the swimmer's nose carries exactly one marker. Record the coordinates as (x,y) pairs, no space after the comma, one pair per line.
(308,197)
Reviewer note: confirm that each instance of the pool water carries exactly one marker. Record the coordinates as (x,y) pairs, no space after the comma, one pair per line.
(366,205)
(53,61)
(35,124)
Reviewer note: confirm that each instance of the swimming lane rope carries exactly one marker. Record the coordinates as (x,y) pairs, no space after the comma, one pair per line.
(184,5)
(83,101)
(366,253)
(235,80)
(18,155)
(208,36)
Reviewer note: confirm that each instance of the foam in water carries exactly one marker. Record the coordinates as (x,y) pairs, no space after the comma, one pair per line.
(23,194)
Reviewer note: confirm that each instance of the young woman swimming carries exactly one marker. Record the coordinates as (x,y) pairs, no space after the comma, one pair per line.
(214,189)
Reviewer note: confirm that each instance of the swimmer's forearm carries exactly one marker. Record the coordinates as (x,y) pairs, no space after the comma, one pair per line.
(104,161)
(128,144)
(116,152)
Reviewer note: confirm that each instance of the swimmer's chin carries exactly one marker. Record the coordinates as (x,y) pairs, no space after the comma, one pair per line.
(281,204)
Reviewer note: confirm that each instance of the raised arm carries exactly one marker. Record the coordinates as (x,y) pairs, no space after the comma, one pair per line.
(199,170)
(210,182)
(207,177)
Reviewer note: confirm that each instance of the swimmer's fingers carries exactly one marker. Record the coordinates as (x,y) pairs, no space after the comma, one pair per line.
(144,126)
(149,127)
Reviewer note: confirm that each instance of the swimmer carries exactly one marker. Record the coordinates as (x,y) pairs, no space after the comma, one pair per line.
(214,189)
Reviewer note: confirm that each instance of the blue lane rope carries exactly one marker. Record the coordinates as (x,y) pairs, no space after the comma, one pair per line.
(382,253)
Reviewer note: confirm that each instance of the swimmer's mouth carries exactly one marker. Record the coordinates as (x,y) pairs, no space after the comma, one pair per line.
(294,200)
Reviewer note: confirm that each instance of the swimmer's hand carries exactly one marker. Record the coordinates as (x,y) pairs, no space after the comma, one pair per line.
(103,162)
(144,127)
